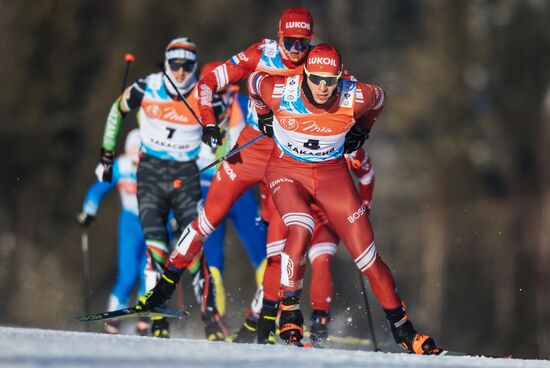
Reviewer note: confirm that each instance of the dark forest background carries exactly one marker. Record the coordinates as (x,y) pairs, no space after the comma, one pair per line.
(461,153)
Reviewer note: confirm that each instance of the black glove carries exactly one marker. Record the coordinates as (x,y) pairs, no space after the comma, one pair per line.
(161,293)
(211,135)
(355,138)
(265,124)
(104,170)
(84,219)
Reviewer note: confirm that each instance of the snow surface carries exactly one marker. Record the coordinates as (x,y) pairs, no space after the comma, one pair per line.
(20,347)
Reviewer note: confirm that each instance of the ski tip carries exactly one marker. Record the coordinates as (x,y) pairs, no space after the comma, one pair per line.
(86,318)
(457,353)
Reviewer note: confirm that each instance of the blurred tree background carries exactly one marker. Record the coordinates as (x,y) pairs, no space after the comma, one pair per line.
(461,153)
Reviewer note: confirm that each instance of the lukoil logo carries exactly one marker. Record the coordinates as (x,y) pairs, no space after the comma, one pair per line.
(279,181)
(322,60)
(303,25)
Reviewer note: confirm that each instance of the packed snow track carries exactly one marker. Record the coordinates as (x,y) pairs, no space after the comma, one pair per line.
(20,347)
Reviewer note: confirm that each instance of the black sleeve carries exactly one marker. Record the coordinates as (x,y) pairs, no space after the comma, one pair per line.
(137,90)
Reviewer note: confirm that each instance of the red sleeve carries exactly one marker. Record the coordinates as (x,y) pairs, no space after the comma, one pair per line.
(361,167)
(260,88)
(369,102)
(233,70)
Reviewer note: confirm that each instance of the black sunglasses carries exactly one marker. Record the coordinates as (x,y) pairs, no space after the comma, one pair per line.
(317,79)
(187,65)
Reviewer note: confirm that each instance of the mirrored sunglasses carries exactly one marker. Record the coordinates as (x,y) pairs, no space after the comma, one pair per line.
(299,43)
(317,79)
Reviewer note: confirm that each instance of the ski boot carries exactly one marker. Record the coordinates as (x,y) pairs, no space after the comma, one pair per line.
(247,333)
(215,329)
(319,329)
(112,327)
(214,332)
(291,321)
(406,335)
(143,326)
(160,327)
(162,291)
(265,331)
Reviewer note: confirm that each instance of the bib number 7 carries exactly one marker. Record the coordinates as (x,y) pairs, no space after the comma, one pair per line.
(171,132)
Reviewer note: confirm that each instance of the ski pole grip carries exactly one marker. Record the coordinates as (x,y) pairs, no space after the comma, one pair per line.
(129,58)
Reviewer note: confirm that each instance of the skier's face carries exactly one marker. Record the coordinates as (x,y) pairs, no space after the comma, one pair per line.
(295,47)
(181,69)
(321,87)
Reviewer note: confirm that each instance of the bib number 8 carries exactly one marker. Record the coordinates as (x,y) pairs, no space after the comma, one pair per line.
(312,144)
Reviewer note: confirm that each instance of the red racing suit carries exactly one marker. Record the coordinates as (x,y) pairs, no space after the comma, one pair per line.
(324,241)
(307,167)
(247,167)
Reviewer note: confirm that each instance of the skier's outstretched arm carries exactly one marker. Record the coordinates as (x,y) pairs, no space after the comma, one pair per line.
(94,196)
(233,70)
(130,99)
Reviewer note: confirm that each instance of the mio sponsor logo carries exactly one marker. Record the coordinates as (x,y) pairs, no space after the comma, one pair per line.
(321,60)
(288,123)
(229,171)
(279,181)
(360,212)
(170,113)
(302,25)
(312,126)
(167,113)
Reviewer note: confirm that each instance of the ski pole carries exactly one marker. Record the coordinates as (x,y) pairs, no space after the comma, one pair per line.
(365,297)
(129,59)
(85,272)
(227,155)
(161,67)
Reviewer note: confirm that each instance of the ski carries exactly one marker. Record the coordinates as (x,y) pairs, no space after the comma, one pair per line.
(133,312)
(344,340)
(457,353)
(348,340)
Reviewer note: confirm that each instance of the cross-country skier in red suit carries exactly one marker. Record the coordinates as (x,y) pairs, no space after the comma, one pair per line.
(284,56)
(324,243)
(314,113)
